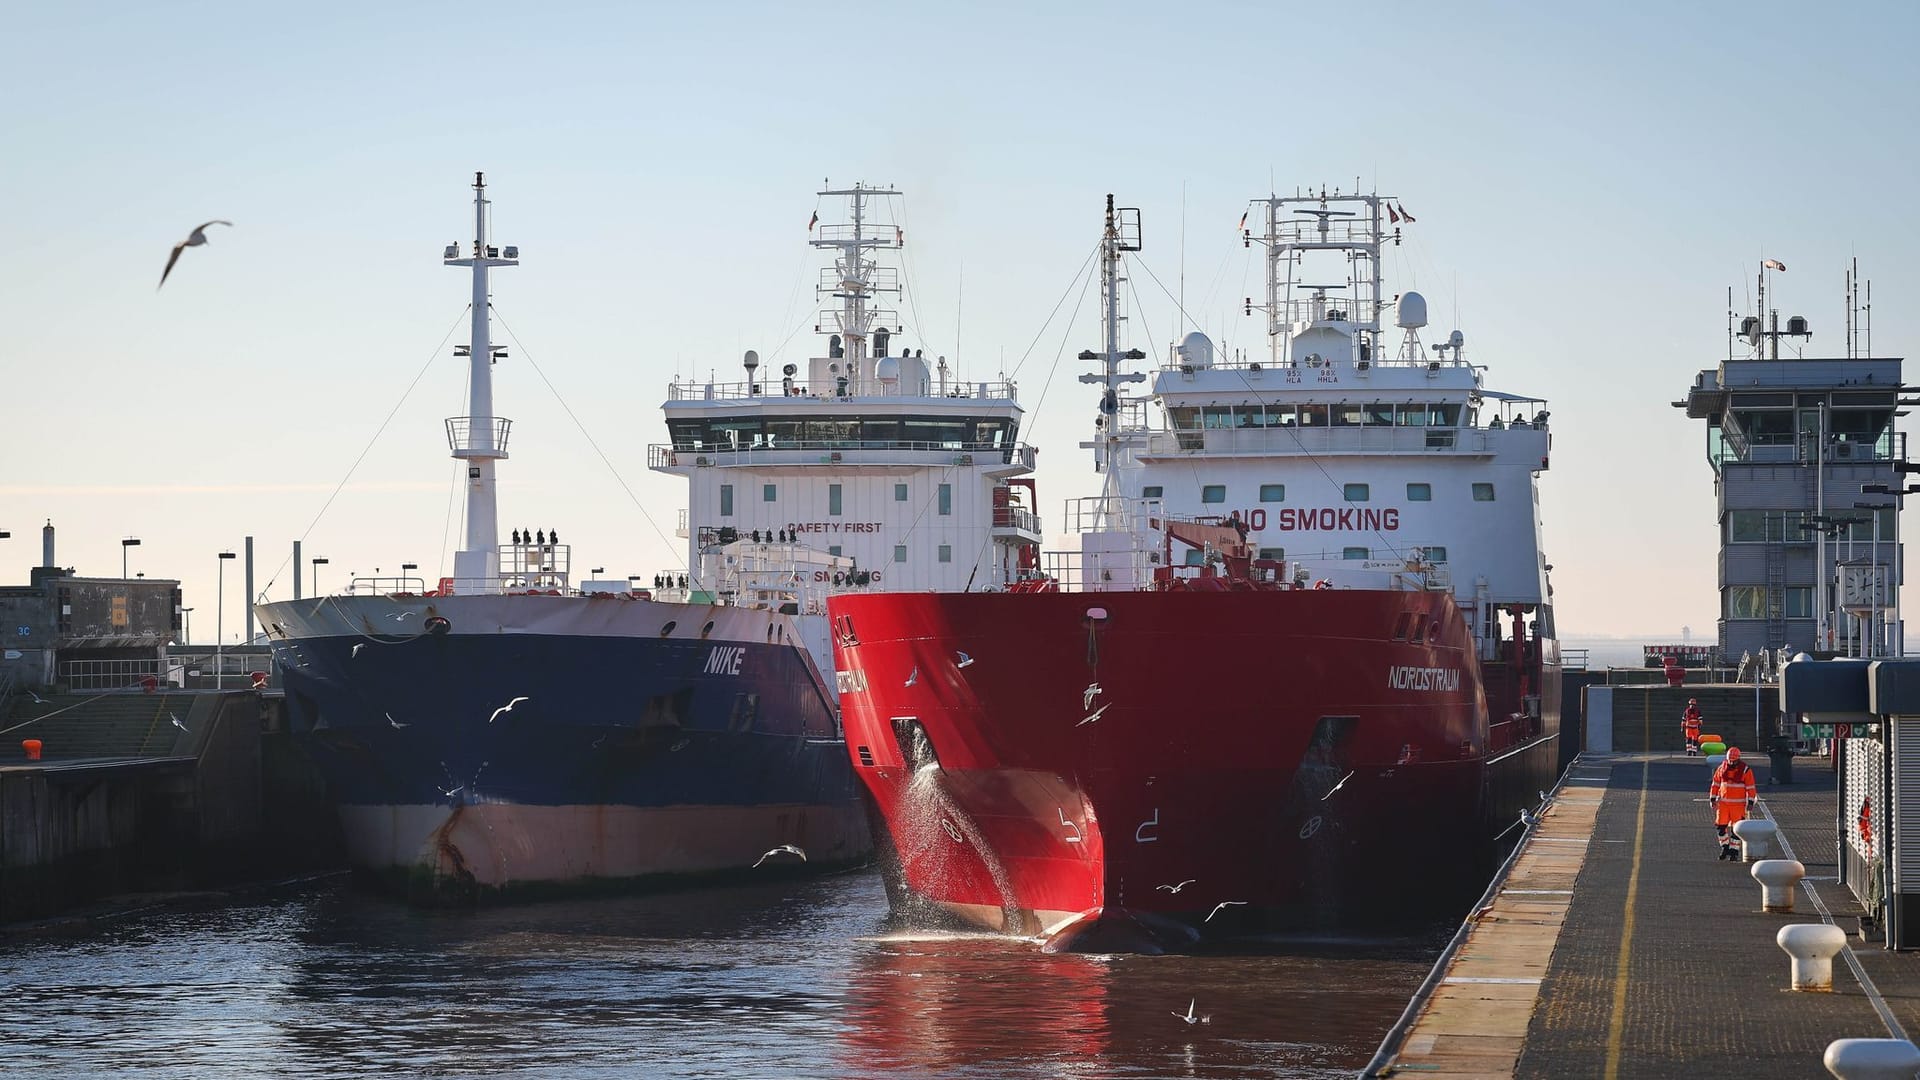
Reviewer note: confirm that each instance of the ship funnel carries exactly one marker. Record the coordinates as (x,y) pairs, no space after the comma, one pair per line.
(46,546)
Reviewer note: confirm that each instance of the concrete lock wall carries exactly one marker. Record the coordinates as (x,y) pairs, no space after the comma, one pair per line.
(1647,718)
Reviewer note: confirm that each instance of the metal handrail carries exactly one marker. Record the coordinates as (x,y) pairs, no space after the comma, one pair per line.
(826,452)
(740,391)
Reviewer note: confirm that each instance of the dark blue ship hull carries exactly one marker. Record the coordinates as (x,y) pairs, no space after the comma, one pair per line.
(546,744)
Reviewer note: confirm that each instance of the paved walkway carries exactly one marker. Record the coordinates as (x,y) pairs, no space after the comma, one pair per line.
(1661,962)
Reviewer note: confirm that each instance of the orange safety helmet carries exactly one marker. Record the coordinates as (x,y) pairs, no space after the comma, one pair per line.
(1733,753)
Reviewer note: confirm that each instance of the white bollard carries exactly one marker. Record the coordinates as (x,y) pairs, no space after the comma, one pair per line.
(1872,1059)
(1777,877)
(1812,947)
(1756,838)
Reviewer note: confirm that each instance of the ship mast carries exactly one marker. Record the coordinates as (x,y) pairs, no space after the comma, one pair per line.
(858,278)
(479,438)
(1122,234)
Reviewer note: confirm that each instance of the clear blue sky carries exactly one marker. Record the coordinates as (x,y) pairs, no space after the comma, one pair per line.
(1588,182)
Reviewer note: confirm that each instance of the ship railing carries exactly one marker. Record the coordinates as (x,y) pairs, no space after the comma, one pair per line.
(1306,230)
(1104,513)
(504,583)
(829,452)
(1107,571)
(870,233)
(1016,517)
(1574,659)
(79,675)
(387,586)
(1373,440)
(460,430)
(771,388)
(879,279)
(834,321)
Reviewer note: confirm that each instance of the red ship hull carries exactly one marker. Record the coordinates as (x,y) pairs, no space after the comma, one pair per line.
(1143,769)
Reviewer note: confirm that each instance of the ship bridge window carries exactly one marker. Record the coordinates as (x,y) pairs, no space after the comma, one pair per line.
(1483,493)
(1419,492)
(1313,416)
(1184,417)
(1443,416)
(843,434)
(786,431)
(992,432)
(1213,493)
(1282,416)
(948,434)
(1273,493)
(1345,415)
(879,434)
(687,434)
(736,434)
(1415,415)
(1380,414)
(1217,416)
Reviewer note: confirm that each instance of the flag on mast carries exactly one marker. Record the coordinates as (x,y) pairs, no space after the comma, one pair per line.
(1243,220)
(1775,264)
(1392,214)
(1404,216)
(814,220)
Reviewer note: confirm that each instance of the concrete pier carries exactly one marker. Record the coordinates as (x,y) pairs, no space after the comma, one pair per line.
(1619,945)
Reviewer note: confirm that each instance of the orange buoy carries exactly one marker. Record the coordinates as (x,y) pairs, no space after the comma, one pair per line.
(32,747)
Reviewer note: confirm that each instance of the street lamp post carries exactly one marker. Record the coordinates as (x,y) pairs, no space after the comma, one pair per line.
(318,562)
(219,627)
(129,542)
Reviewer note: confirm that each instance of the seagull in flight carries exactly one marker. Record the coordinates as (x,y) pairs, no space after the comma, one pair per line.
(1191,1017)
(507,708)
(177,723)
(37,699)
(1086,699)
(397,725)
(357,648)
(1222,906)
(783,849)
(913,678)
(194,239)
(451,792)
(398,615)
(1336,787)
(1095,716)
(965,660)
(1177,888)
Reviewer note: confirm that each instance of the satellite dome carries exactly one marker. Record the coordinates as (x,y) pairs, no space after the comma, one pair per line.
(887,371)
(1413,311)
(1196,349)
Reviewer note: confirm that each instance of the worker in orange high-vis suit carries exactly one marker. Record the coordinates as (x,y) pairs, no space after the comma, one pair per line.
(1733,793)
(1690,722)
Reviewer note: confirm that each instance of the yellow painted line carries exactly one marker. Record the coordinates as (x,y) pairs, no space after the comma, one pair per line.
(1616,1028)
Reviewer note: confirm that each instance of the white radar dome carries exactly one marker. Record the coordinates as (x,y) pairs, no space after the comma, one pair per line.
(888,371)
(1196,349)
(1456,339)
(1413,311)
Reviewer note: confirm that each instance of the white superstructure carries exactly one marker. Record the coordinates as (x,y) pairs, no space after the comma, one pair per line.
(1353,450)
(882,467)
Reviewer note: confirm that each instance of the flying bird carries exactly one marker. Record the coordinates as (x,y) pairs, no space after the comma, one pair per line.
(37,699)
(451,792)
(913,678)
(507,708)
(783,849)
(397,725)
(1222,906)
(401,615)
(965,660)
(1336,787)
(1177,888)
(1191,1017)
(356,649)
(1086,699)
(194,239)
(1095,716)
(177,723)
